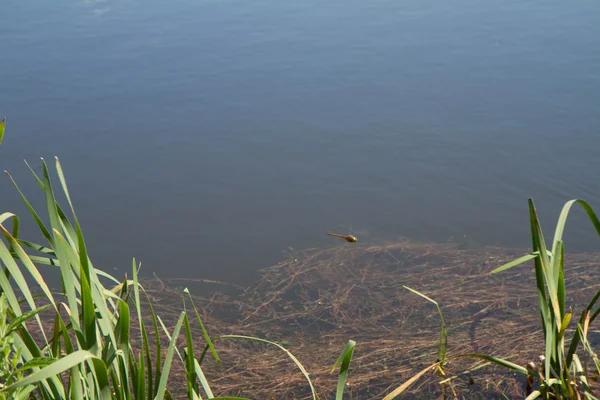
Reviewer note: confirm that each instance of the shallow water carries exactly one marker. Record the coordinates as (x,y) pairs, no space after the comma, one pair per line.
(314,304)
(205,138)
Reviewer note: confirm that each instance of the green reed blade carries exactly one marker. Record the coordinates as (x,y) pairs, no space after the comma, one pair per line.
(125,378)
(31,268)
(140,384)
(16,251)
(204,331)
(122,329)
(228,398)
(30,350)
(7,215)
(443,346)
(537,235)
(581,374)
(35,215)
(202,377)
(36,363)
(70,282)
(101,375)
(143,331)
(70,266)
(343,362)
(562,219)
(516,262)
(543,278)
(160,392)
(564,324)
(19,279)
(57,367)
(558,261)
(294,359)
(50,199)
(24,317)
(158,354)
(5,285)
(36,247)
(496,360)
(191,377)
(2,128)
(117,394)
(533,395)
(64,221)
(400,389)
(80,240)
(84,262)
(55,343)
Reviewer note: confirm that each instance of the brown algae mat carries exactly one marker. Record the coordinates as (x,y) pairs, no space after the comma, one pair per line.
(315,301)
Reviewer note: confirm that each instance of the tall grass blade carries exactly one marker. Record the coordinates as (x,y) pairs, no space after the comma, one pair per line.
(543,277)
(29,266)
(19,279)
(143,332)
(443,346)
(228,398)
(88,315)
(80,240)
(122,330)
(533,395)
(203,380)
(35,246)
(343,362)
(558,261)
(399,390)
(15,230)
(294,359)
(190,368)
(24,317)
(70,283)
(35,215)
(51,203)
(52,387)
(57,367)
(5,285)
(80,249)
(565,324)
(516,262)
(160,392)
(2,127)
(562,219)
(496,360)
(158,354)
(580,372)
(204,332)
(138,378)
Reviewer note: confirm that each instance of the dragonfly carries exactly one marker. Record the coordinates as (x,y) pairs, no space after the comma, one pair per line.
(348,238)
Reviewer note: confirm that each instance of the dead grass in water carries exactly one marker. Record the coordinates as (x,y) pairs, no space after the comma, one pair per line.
(314,301)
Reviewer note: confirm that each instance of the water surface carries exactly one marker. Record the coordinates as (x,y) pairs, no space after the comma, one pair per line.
(207,137)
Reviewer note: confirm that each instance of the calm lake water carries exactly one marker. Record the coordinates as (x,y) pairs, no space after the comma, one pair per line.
(207,137)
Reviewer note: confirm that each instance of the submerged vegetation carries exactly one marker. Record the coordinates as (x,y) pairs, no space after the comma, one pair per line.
(104,337)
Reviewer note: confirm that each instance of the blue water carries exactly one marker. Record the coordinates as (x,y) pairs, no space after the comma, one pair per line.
(207,137)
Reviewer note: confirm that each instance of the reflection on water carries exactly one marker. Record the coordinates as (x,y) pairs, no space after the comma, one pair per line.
(206,137)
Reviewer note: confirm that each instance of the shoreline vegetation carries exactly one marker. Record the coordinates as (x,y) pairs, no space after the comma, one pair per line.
(395,320)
